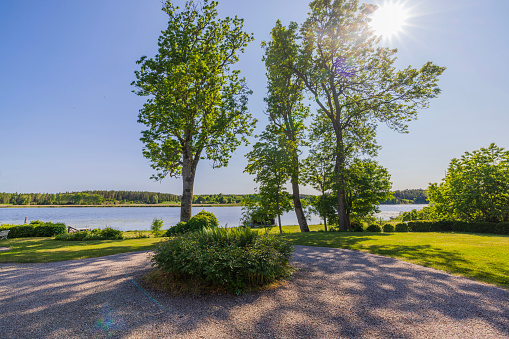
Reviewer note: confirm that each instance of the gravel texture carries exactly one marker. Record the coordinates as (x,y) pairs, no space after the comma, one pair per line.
(335,293)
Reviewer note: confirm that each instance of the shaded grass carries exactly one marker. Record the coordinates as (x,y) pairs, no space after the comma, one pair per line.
(483,257)
(26,250)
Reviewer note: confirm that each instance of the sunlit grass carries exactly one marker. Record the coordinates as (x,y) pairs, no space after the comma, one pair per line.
(483,257)
(27,250)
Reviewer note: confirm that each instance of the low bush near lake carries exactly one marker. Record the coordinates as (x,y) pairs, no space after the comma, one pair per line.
(374,228)
(200,221)
(36,228)
(388,228)
(358,228)
(107,233)
(235,259)
(402,227)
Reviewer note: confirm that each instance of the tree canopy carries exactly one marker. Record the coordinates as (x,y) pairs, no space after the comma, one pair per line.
(197,105)
(475,187)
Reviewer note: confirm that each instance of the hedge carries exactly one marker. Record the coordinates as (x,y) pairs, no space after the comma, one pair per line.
(44,229)
(459,226)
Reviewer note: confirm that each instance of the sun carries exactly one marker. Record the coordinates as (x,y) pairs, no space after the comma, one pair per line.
(390,19)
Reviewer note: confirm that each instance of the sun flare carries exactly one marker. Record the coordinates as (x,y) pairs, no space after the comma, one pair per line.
(389,19)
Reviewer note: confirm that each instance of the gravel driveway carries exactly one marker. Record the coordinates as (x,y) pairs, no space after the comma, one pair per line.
(335,293)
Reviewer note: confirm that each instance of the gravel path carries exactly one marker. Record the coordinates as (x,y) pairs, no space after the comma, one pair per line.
(336,294)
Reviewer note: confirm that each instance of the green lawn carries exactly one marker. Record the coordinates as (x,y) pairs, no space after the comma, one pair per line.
(483,257)
(47,249)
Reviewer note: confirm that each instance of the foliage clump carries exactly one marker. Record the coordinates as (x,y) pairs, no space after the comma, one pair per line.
(402,227)
(358,228)
(107,233)
(374,228)
(235,259)
(388,228)
(197,222)
(36,228)
(157,227)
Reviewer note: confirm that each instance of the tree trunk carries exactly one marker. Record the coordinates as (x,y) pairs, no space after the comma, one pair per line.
(343,220)
(296,201)
(323,210)
(188,173)
(279,217)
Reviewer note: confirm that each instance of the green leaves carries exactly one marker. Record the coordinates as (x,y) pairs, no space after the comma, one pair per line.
(196,104)
(475,188)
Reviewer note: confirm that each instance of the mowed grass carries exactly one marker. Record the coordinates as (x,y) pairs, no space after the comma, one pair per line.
(483,257)
(30,250)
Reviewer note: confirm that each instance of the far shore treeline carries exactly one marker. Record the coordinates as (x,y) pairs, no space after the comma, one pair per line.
(408,196)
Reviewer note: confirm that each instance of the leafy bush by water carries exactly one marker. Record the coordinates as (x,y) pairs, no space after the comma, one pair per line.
(36,228)
(402,227)
(200,221)
(374,228)
(235,258)
(358,228)
(388,228)
(96,234)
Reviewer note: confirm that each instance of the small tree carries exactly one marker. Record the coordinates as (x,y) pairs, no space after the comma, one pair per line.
(269,162)
(475,188)
(157,227)
(197,106)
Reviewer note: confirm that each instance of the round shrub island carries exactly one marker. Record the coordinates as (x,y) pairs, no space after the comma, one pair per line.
(235,259)
(402,227)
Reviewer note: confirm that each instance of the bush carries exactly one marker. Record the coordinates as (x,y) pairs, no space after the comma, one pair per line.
(157,227)
(235,259)
(200,221)
(402,227)
(388,228)
(358,228)
(36,228)
(203,219)
(96,234)
(374,228)
(179,228)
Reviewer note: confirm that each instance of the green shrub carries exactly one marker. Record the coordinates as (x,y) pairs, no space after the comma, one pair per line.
(34,229)
(358,228)
(203,219)
(374,228)
(111,234)
(402,227)
(96,234)
(179,228)
(235,258)
(388,228)
(157,227)
(200,221)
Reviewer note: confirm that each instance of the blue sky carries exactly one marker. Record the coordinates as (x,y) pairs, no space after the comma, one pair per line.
(68,117)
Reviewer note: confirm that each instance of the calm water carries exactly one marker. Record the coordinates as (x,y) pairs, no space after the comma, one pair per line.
(140,218)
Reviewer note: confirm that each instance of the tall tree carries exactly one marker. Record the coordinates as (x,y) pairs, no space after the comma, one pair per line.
(197,106)
(354,82)
(475,188)
(269,161)
(284,105)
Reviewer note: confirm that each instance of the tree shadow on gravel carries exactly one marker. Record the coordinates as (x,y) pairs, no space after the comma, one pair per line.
(334,293)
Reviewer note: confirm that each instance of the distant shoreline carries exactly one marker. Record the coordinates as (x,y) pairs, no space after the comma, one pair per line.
(119,205)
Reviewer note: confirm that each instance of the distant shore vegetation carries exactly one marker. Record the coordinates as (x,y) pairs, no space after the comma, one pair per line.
(408,196)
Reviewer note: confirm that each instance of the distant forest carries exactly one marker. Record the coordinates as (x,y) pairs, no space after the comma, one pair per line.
(412,196)
(112,198)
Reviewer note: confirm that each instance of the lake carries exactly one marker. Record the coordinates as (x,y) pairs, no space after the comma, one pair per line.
(140,218)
